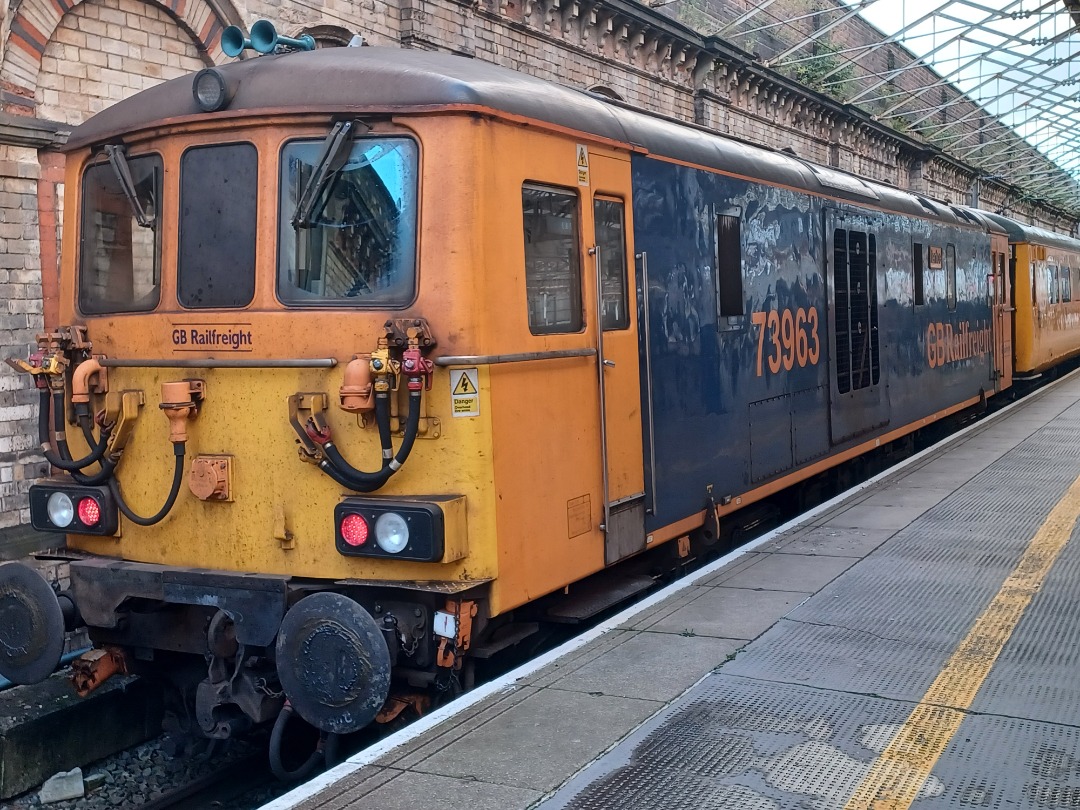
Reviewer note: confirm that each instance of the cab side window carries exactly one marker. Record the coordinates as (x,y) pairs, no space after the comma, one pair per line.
(552,260)
(611,241)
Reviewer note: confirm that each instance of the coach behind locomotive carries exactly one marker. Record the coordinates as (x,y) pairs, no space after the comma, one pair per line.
(594,330)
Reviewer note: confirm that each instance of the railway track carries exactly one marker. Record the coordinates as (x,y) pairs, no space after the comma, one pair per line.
(223,788)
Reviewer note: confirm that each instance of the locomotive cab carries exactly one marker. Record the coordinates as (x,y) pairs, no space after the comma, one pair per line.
(292,327)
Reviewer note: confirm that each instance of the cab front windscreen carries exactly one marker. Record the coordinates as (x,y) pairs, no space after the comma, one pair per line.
(357,244)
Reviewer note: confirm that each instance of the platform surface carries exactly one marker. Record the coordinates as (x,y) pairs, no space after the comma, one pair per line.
(912,644)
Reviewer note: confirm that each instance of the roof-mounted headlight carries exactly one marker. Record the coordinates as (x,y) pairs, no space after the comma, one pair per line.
(211,90)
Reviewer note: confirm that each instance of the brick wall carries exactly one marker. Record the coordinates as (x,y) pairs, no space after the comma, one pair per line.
(106,50)
(20,319)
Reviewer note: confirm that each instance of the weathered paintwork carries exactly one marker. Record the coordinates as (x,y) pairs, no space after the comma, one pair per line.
(725,422)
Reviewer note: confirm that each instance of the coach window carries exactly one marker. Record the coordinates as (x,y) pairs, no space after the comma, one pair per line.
(1066,285)
(729,291)
(348,237)
(552,260)
(215,266)
(917,280)
(611,240)
(950,276)
(120,239)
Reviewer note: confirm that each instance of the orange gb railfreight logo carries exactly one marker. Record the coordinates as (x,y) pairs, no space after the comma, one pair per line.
(208,337)
(946,343)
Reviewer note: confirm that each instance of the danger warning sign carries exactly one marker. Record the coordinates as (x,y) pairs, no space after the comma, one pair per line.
(464,392)
(582,165)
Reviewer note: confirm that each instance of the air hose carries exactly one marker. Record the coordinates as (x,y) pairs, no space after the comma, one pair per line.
(62,459)
(325,752)
(337,467)
(178,477)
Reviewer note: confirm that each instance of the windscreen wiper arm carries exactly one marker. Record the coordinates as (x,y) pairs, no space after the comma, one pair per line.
(118,158)
(334,153)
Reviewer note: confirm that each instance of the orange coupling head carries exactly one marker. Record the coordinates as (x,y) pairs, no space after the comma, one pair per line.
(80,380)
(356,391)
(180,401)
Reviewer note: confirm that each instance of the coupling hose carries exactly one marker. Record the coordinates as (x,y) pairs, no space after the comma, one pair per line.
(62,459)
(336,466)
(178,477)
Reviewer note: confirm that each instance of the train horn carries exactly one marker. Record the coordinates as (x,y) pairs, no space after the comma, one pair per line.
(265,39)
(233,41)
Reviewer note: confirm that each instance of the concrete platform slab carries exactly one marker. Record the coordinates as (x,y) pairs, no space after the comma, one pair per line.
(831,540)
(650,666)
(802,573)
(869,516)
(723,612)
(408,791)
(466,722)
(534,744)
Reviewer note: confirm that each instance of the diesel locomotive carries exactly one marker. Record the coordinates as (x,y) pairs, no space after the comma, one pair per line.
(363,351)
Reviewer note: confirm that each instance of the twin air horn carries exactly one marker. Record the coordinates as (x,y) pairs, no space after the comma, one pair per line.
(264,39)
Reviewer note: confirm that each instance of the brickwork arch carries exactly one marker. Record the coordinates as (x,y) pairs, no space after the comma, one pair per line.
(36,24)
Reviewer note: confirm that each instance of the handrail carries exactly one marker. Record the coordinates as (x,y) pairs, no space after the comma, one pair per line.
(210,362)
(522,357)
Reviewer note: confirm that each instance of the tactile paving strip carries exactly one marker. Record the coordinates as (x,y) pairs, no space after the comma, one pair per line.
(1003,762)
(1037,674)
(736,743)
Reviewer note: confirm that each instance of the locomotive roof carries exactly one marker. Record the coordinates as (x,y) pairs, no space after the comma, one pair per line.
(369,80)
(1019,232)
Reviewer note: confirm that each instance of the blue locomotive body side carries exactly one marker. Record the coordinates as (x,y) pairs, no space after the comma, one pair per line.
(831,344)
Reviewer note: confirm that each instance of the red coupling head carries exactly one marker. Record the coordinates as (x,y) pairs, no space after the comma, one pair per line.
(418,369)
(40,380)
(320,437)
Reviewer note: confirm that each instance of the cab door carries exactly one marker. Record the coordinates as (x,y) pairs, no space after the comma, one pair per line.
(608,223)
(1001,311)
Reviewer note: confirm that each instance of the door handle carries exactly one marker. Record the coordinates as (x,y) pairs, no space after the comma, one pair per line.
(609,363)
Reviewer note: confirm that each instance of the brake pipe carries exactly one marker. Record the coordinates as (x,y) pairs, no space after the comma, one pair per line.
(108,465)
(62,459)
(179,402)
(179,451)
(335,465)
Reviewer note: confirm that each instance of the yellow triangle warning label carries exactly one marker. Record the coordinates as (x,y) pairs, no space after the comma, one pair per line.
(582,157)
(464,386)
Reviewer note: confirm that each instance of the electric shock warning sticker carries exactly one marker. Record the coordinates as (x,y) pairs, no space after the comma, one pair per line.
(465,392)
(582,165)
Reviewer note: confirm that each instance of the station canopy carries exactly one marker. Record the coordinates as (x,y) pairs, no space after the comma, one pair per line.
(994,84)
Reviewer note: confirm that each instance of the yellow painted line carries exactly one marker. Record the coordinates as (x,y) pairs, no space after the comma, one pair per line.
(895,778)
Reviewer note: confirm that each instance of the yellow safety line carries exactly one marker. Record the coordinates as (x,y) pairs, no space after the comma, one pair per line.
(898,774)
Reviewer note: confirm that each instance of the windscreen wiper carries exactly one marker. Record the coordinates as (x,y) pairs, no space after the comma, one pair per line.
(335,152)
(118,158)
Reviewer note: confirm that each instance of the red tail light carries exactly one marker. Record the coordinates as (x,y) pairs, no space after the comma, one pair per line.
(354,530)
(89,512)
